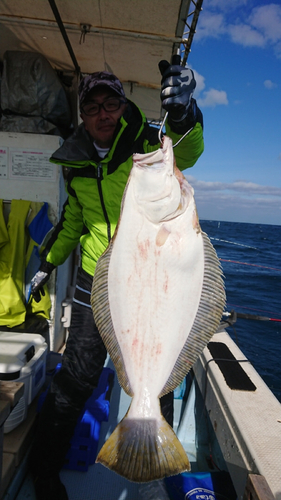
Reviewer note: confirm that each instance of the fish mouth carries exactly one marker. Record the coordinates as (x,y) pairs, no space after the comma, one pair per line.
(154,160)
(160,160)
(167,198)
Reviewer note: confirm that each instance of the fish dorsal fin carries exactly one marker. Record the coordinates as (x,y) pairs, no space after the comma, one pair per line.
(207,319)
(102,316)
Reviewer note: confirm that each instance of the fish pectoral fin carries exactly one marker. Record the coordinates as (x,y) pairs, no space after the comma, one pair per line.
(144,450)
(162,236)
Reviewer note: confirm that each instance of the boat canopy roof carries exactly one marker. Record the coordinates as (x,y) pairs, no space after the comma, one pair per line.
(126,37)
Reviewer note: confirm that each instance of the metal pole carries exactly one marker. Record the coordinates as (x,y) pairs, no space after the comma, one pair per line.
(64,34)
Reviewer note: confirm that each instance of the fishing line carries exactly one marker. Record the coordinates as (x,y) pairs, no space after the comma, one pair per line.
(248,264)
(245,263)
(233,243)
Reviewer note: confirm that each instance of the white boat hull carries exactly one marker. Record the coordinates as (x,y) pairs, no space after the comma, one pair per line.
(247,423)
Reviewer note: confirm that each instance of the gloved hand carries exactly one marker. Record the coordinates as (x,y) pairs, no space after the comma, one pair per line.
(178,84)
(37,283)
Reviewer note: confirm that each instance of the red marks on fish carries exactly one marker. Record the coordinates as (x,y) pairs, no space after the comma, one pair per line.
(143,247)
(165,283)
(158,349)
(135,343)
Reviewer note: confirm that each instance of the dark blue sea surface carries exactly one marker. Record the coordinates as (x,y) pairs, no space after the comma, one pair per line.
(250,255)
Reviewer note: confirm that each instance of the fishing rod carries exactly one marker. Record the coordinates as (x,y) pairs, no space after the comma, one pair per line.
(176,58)
(233,315)
(247,315)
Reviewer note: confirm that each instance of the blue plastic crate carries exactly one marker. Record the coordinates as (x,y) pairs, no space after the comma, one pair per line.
(78,458)
(99,403)
(84,443)
(203,485)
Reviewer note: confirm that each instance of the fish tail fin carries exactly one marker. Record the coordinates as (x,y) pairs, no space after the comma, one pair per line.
(144,450)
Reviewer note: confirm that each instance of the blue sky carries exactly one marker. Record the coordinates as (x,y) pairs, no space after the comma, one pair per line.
(236,57)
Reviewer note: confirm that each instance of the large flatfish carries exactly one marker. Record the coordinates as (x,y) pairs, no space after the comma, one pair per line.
(157,298)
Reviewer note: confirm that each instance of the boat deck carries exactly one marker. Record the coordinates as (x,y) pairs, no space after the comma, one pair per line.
(99,483)
(236,445)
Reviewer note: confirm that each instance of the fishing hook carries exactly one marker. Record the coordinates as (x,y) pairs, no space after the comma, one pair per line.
(161,128)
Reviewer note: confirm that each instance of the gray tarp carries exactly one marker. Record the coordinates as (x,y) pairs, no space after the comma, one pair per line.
(33,98)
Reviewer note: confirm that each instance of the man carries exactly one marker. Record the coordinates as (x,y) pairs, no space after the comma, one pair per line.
(100,156)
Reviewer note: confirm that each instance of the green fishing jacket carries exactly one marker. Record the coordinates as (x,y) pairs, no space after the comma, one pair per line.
(95,186)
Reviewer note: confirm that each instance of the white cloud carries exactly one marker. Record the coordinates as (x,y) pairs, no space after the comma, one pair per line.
(267,19)
(251,188)
(246,35)
(209,98)
(211,25)
(238,201)
(200,83)
(258,27)
(213,98)
(244,187)
(269,84)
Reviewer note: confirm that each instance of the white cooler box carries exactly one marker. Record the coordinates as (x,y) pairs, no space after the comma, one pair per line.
(22,359)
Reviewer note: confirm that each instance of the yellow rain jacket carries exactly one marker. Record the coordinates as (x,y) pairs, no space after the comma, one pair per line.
(16,250)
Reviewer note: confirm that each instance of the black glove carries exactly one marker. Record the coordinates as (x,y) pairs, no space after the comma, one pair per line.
(178,84)
(37,283)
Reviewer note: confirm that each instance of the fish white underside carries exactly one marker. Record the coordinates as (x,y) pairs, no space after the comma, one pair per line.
(155,285)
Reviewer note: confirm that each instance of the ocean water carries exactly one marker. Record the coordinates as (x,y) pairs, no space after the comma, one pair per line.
(250,255)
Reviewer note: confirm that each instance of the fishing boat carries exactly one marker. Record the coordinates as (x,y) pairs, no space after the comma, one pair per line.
(226,417)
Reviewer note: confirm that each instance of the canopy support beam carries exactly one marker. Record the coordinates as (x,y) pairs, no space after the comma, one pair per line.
(64,34)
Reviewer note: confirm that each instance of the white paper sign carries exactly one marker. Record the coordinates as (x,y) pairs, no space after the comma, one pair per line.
(26,164)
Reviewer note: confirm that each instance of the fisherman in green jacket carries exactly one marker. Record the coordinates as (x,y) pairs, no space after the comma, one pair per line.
(99,157)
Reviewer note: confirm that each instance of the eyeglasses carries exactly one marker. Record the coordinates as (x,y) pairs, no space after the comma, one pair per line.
(92,108)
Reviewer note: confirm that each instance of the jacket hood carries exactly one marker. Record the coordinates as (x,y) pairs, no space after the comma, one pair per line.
(78,150)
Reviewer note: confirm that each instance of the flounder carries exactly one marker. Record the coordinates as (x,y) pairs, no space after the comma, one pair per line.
(157,298)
